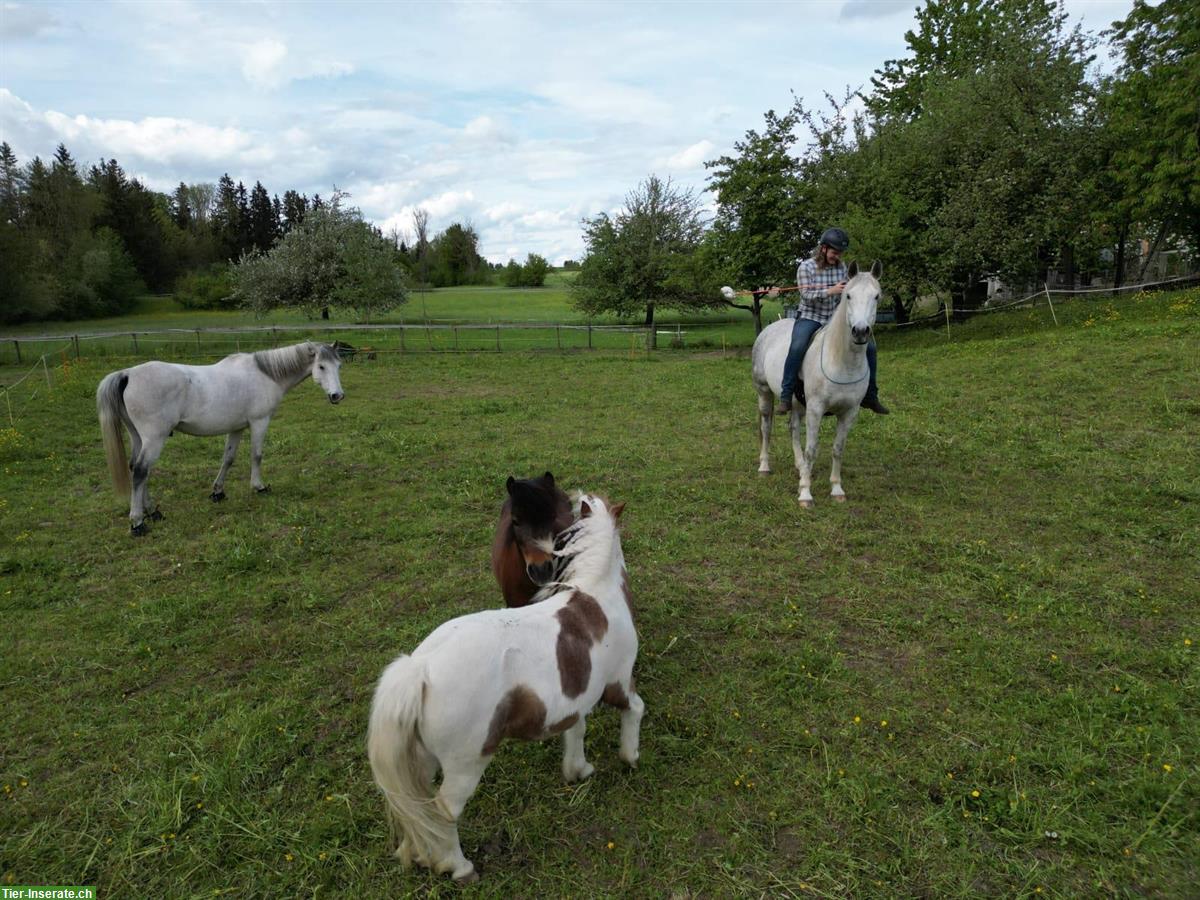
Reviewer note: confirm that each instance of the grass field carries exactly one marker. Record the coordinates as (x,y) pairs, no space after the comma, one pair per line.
(977,678)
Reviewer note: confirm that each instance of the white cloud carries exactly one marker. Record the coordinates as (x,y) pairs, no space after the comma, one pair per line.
(262,63)
(485,129)
(155,139)
(607,101)
(693,157)
(267,65)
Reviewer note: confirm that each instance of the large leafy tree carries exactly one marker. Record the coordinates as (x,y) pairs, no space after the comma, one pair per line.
(332,258)
(761,225)
(1153,104)
(646,256)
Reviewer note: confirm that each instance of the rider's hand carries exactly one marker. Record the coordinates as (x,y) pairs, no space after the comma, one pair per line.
(836,289)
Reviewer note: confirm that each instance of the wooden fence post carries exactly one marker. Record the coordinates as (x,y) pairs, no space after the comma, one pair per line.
(133,336)
(17,344)
(589,335)
(75,340)
(497,338)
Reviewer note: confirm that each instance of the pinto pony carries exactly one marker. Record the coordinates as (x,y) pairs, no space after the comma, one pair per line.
(156,399)
(525,673)
(835,378)
(535,510)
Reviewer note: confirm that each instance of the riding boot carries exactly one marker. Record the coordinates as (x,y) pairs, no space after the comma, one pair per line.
(871,402)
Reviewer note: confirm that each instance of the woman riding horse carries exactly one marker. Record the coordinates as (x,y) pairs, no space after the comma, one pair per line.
(821,281)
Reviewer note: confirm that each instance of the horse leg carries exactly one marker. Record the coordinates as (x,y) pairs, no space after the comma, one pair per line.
(152,446)
(460,777)
(807,452)
(231,445)
(766,417)
(631,727)
(258,433)
(845,420)
(574,766)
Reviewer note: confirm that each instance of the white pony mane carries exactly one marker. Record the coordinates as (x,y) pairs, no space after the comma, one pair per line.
(285,363)
(584,550)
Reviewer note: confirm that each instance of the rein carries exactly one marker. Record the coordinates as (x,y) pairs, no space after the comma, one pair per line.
(826,374)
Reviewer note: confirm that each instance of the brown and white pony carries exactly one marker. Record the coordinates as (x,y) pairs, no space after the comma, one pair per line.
(535,511)
(525,673)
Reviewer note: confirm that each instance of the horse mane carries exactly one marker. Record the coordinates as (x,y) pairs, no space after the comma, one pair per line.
(286,363)
(583,551)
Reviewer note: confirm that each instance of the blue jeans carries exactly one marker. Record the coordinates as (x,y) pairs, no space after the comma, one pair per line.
(802,334)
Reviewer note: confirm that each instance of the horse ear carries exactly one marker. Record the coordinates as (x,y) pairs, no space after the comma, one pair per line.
(617,510)
(508,485)
(853,270)
(584,509)
(876,269)
(549,479)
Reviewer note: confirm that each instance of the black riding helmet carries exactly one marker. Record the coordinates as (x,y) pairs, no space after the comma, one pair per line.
(836,238)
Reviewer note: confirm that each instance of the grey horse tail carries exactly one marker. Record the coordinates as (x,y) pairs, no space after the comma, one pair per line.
(110,405)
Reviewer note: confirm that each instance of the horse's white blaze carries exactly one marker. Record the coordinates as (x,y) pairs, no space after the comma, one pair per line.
(441,706)
(835,374)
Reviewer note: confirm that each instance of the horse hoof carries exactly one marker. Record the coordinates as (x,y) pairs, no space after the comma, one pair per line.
(807,504)
(468,878)
(138,530)
(156,516)
(216,496)
(764,471)
(265,489)
(839,498)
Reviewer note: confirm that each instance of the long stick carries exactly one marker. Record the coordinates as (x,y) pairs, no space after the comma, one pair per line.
(1051,305)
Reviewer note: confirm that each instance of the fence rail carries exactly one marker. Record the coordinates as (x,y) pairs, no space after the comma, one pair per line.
(382,338)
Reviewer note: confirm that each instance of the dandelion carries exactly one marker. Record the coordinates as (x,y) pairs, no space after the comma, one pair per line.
(328,797)
(1168,768)
(1187,642)
(322,855)
(857,719)
(950,775)
(611,845)
(288,857)
(200,805)
(736,714)
(883,723)
(1011,758)
(1127,852)
(975,794)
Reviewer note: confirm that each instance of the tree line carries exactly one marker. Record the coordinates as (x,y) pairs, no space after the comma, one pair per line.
(990,149)
(79,243)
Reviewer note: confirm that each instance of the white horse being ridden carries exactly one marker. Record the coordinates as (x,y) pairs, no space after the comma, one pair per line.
(835,377)
(528,672)
(156,399)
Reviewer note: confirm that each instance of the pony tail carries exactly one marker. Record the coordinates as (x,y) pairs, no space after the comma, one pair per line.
(401,763)
(110,405)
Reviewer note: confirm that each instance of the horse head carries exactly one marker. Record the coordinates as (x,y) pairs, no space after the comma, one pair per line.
(860,299)
(539,510)
(326,363)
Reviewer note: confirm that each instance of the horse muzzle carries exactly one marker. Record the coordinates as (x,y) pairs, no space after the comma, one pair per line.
(335,399)
(861,333)
(540,573)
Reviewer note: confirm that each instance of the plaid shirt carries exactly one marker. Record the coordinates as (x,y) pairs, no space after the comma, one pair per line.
(815,303)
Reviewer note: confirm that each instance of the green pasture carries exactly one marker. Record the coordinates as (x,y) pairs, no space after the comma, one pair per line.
(976,678)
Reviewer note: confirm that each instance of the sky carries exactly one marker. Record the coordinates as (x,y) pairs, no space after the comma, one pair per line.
(518,118)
